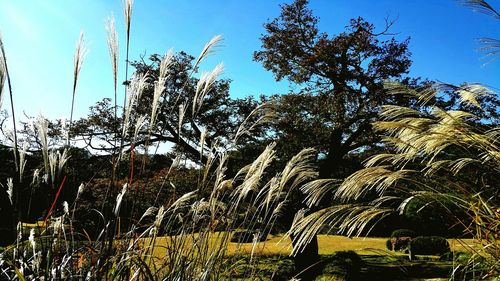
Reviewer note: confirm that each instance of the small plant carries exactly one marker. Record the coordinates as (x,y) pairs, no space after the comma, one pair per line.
(429,245)
(398,244)
(267,268)
(345,264)
(403,233)
(400,239)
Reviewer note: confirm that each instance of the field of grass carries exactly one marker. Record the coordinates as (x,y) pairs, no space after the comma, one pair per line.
(281,244)
(328,244)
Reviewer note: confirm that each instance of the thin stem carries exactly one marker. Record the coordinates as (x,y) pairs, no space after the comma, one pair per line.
(126,85)
(4,58)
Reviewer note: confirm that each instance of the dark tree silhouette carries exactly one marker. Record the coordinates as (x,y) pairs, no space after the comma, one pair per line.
(341,87)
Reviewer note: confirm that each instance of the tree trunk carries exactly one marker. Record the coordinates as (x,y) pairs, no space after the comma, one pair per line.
(307,262)
(336,152)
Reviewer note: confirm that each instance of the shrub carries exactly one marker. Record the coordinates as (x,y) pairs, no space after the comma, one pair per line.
(345,263)
(403,233)
(400,239)
(265,268)
(398,244)
(429,245)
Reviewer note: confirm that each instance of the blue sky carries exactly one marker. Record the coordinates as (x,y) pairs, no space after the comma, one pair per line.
(40,37)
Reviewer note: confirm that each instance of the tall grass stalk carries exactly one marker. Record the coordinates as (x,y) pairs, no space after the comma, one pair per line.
(127,11)
(3,77)
(5,70)
(184,239)
(80,53)
(112,41)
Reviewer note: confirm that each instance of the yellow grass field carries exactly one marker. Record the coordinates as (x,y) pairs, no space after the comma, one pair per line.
(328,244)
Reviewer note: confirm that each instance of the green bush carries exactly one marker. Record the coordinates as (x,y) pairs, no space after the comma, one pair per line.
(404,233)
(400,243)
(429,245)
(400,239)
(346,264)
(265,268)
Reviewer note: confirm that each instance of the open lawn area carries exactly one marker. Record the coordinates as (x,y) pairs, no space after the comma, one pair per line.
(328,244)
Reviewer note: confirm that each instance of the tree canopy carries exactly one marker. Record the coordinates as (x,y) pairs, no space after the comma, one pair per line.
(191,113)
(340,78)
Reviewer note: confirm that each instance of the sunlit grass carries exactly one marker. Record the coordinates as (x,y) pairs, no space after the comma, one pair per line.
(328,244)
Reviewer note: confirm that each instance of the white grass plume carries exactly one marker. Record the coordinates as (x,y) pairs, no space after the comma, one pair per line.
(140,122)
(22,160)
(42,126)
(127,11)
(263,113)
(183,201)
(112,41)
(78,59)
(159,218)
(315,190)
(299,170)
(208,49)
(149,212)
(481,6)
(379,178)
(66,207)
(202,142)
(3,77)
(10,190)
(31,239)
(253,173)
(36,177)
(135,91)
(57,161)
(470,93)
(159,88)
(165,64)
(119,199)
(53,157)
(204,86)
(63,159)
(422,138)
(182,114)
(81,188)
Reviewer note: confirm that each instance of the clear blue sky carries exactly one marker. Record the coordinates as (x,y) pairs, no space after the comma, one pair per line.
(40,36)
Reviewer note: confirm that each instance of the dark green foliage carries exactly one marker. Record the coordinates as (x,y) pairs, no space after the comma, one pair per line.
(431,217)
(398,244)
(7,234)
(403,233)
(429,245)
(388,244)
(346,264)
(153,190)
(265,268)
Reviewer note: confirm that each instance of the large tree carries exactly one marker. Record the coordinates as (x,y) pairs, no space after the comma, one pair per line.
(186,117)
(340,79)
